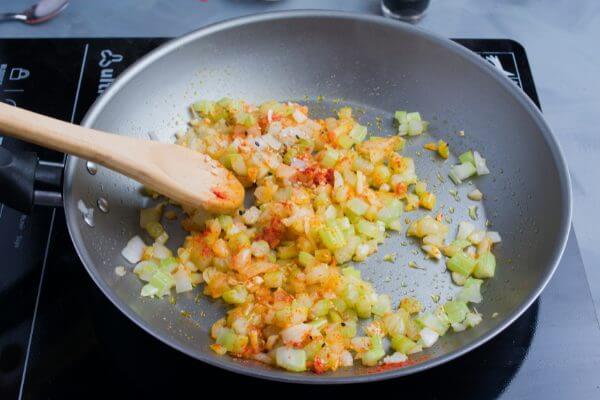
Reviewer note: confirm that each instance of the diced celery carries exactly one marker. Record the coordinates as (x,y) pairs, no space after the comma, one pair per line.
(154,229)
(150,214)
(349,328)
(486,266)
(330,157)
(237,295)
(162,281)
(381,174)
(305,259)
(461,263)
(456,311)
(404,345)
(363,307)
(244,118)
(358,133)
(382,306)
(225,221)
(420,188)
(467,157)
(390,212)
(237,164)
(287,252)
(332,237)
(394,324)
(351,272)
(339,304)
(455,247)
(400,117)
(471,291)
(433,322)
(462,171)
(375,353)
(413,116)
(146,270)
(274,279)
(345,253)
(320,308)
(168,264)
(360,164)
(204,107)
(345,141)
(148,290)
(239,344)
(226,338)
(357,206)
(291,359)
(367,228)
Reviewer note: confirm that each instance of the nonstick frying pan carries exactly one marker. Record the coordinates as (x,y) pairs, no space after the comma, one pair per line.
(377,66)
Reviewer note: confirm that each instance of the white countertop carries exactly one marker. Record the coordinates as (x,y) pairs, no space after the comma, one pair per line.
(561,38)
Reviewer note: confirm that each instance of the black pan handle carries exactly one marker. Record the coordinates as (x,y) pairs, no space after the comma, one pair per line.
(26,181)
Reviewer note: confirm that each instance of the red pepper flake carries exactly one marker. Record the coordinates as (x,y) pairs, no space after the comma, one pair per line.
(314,176)
(272,233)
(219,194)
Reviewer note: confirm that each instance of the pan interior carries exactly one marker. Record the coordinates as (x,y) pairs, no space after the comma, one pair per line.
(377,67)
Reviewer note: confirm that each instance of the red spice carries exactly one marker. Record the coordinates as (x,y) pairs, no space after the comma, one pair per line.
(272,233)
(314,176)
(219,194)
(387,367)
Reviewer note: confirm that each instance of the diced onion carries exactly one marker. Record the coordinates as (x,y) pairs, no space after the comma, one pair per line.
(428,337)
(134,250)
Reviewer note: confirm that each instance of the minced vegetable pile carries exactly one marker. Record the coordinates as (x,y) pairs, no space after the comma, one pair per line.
(325,195)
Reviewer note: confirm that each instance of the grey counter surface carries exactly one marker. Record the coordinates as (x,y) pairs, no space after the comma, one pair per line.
(561,38)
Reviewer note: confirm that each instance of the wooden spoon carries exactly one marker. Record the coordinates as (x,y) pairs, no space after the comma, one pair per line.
(185,176)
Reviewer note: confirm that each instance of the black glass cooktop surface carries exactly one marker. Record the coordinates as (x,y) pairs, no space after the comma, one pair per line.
(60,338)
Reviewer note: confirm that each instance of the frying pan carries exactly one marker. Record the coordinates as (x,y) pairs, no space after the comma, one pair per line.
(377,66)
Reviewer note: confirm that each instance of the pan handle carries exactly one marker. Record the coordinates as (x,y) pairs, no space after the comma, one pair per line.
(26,181)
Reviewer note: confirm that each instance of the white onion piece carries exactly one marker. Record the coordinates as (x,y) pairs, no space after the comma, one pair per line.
(480,165)
(134,250)
(160,251)
(429,337)
(299,116)
(295,334)
(464,230)
(395,358)
(183,282)
(346,359)
(493,236)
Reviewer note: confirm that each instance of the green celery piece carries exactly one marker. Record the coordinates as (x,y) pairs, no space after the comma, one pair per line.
(163,281)
(456,311)
(358,206)
(433,322)
(169,264)
(403,344)
(461,263)
(226,338)
(305,259)
(467,157)
(358,133)
(291,359)
(486,266)
(471,291)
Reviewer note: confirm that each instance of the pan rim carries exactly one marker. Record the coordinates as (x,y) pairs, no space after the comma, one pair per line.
(282,376)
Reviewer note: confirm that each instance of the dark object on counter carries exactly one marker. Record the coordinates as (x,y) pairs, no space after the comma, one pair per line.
(406,10)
